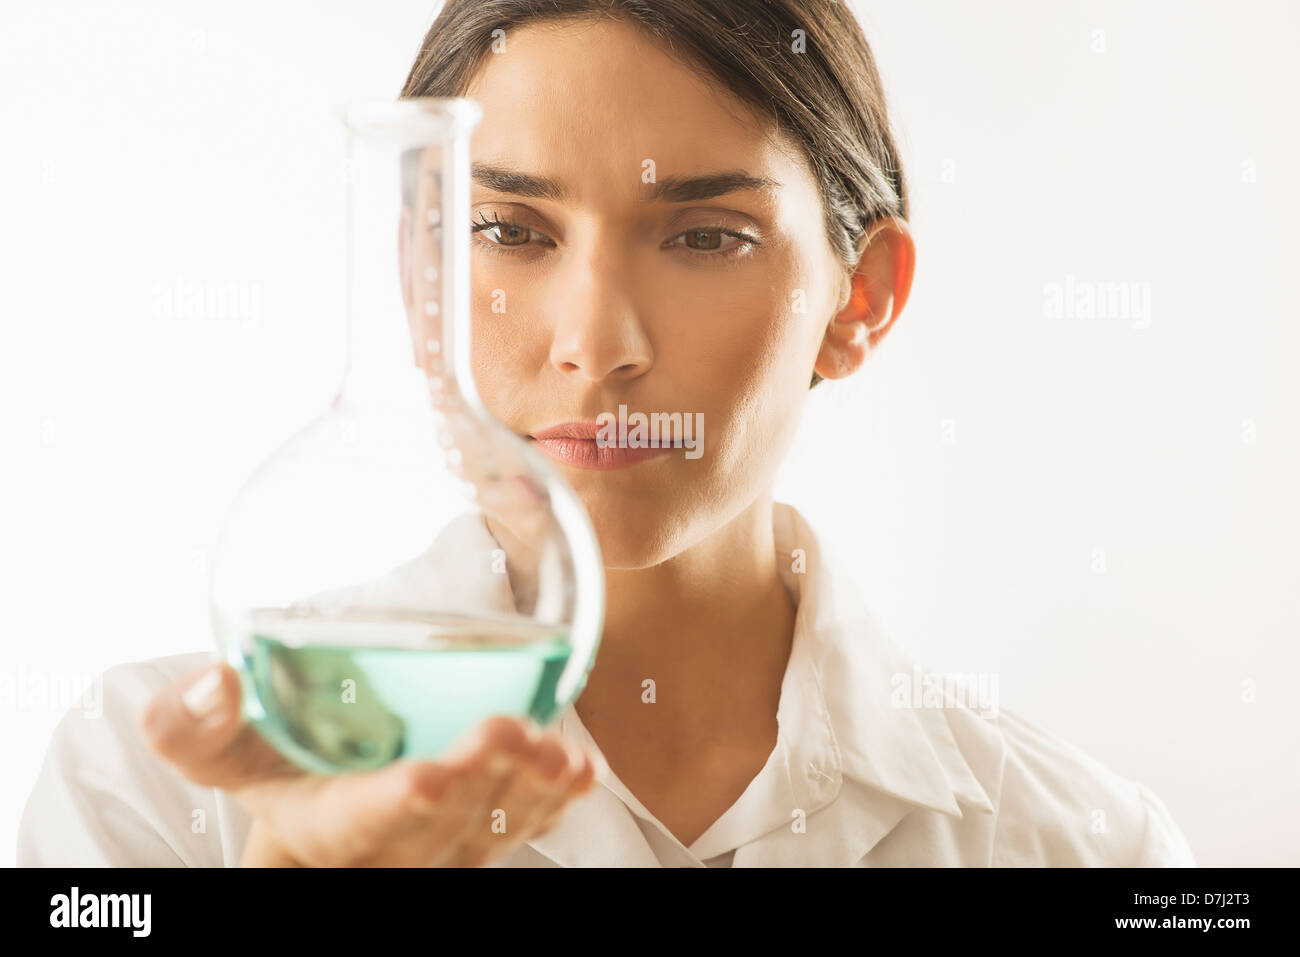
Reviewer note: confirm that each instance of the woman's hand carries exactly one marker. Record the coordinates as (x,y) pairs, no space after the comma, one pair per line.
(505,771)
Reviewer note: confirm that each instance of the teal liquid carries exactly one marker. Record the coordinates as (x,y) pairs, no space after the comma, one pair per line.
(354,692)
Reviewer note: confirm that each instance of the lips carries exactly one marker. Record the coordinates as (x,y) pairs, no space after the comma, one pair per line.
(576,429)
(574,443)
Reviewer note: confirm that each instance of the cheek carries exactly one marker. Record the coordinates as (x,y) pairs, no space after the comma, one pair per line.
(497,346)
(751,407)
(758,346)
(741,339)
(508,350)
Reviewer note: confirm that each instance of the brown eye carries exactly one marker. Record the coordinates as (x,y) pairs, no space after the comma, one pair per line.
(507,233)
(707,243)
(709,239)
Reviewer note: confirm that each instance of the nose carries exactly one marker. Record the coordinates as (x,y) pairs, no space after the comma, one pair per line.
(598,333)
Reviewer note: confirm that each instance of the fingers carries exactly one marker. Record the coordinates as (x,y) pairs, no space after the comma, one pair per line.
(261,849)
(381,816)
(483,764)
(576,777)
(195,724)
(533,800)
(409,813)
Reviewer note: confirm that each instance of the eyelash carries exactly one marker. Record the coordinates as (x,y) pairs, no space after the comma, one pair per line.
(747,244)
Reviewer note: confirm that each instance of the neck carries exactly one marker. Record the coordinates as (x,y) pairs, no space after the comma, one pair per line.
(712,627)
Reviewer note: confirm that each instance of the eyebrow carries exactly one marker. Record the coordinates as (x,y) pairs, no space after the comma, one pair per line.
(670,189)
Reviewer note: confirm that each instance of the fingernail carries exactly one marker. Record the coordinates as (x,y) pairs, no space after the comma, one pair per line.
(203,696)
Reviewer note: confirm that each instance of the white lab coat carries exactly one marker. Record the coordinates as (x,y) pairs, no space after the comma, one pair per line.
(857,777)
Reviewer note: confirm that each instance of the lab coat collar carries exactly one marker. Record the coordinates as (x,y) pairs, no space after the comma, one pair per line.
(843,749)
(883,762)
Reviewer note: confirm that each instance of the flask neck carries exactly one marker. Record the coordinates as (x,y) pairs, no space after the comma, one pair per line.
(408,275)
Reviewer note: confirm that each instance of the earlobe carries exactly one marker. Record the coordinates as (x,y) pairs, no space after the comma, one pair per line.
(879,288)
(844,349)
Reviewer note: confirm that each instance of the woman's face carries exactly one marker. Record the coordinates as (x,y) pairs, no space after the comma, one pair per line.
(594,291)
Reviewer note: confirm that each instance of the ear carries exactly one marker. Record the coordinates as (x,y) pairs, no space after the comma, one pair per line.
(878,291)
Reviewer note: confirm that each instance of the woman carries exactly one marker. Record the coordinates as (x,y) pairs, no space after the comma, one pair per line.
(697,206)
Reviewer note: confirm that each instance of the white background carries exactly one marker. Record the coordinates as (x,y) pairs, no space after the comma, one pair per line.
(989,461)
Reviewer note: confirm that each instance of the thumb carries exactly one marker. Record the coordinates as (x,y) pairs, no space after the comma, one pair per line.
(196,725)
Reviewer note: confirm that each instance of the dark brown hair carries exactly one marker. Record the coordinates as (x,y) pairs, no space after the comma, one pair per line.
(820,85)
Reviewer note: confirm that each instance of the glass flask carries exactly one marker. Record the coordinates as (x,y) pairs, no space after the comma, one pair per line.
(405,566)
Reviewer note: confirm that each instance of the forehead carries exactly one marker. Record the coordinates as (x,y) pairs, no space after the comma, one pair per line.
(589,102)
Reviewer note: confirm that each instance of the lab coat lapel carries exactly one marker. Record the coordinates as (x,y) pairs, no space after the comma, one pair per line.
(883,761)
(839,835)
(906,750)
(598,830)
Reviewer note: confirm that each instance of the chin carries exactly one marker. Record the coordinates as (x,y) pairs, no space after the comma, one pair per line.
(636,531)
